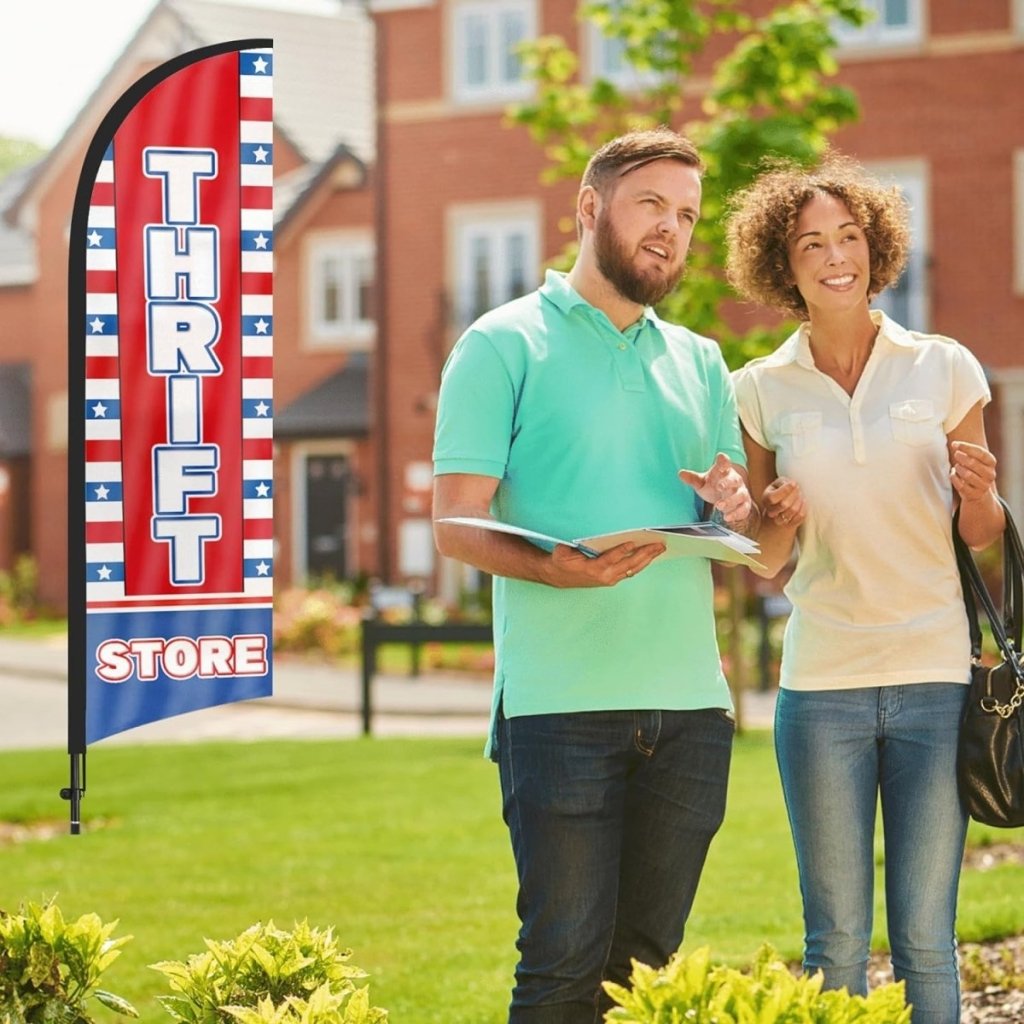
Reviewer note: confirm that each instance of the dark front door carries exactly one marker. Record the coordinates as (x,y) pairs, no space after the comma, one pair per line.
(326,493)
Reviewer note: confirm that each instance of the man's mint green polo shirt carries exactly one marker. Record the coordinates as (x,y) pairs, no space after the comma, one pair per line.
(586,428)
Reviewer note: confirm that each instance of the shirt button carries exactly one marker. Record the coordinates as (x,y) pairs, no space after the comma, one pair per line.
(622,346)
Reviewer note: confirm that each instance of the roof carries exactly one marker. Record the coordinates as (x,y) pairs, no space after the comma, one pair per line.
(337,406)
(323,67)
(17,245)
(292,190)
(15,410)
(323,82)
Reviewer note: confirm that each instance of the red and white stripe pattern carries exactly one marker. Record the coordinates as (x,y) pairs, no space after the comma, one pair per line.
(256,84)
(104,509)
(104,528)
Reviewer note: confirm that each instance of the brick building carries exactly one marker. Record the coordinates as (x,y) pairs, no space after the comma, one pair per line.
(942,105)
(323,325)
(385,251)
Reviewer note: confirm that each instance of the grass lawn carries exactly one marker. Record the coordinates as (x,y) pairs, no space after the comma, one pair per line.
(396,843)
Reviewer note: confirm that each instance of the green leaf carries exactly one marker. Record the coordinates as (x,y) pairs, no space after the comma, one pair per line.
(116,1003)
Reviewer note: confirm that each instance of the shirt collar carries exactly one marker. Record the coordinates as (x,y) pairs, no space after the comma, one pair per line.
(797,347)
(556,289)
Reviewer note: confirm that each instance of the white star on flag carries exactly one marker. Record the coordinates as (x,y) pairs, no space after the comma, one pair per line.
(94,237)
(97,325)
(261,241)
(261,154)
(262,569)
(261,326)
(262,409)
(260,66)
(262,490)
(104,572)
(102,492)
(99,410)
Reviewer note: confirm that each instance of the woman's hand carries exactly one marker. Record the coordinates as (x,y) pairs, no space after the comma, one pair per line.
(783,503)
(973,472)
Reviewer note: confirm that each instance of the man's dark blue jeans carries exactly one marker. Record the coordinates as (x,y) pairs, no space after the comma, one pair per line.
(611,814)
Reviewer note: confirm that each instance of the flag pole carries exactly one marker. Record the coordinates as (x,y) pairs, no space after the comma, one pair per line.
(76,474)
(76,791)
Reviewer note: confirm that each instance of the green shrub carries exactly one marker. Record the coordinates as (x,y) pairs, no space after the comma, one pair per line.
(691,988)
(19,591)
(49,968)
(316,620)
(269,975)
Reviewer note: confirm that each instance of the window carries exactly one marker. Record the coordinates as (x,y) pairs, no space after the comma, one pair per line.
(608,61)
(1018,221)
(486,67)
(496,260)
(1009,387)
(907,302)
(341,283)
(896,23)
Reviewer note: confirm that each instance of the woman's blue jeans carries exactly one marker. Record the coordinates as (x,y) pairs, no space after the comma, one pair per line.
(611,814)
(838,750)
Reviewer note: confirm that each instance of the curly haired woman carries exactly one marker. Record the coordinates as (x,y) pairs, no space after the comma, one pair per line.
(862,436)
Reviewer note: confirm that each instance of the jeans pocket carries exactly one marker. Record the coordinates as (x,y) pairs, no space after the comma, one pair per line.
(799,432)
(913,421)
(726,716)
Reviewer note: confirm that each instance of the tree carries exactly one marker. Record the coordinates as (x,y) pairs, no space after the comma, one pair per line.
(15,153)
(769,96)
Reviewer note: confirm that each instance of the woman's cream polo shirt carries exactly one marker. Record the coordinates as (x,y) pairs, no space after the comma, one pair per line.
(875,592)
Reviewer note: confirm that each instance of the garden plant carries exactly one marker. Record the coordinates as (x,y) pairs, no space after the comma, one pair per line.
(692,988)
(50,968)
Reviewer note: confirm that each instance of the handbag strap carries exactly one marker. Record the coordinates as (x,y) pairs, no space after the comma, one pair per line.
(1006,628)
(1013,581)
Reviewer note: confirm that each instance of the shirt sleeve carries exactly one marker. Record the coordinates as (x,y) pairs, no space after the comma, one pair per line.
(475,410)
(730,439)
(968,385)
(748,405)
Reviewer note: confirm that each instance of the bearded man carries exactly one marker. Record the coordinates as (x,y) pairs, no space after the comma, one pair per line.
(574,411)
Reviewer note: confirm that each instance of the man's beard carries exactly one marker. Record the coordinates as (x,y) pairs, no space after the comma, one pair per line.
(617,265)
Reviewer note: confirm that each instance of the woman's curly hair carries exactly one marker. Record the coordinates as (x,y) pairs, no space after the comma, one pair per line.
(762,219)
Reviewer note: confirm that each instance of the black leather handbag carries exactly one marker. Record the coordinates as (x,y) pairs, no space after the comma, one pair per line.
(990,752)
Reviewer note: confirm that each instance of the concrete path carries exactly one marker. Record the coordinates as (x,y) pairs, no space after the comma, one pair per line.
(311,700)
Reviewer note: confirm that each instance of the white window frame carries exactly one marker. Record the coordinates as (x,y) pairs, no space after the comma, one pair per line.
(912,177)
(876,33)
(494,223)
(598,47)
(1008,386)
(348,247)
(300,455)
(385,6)
(1018,221)
(494,90)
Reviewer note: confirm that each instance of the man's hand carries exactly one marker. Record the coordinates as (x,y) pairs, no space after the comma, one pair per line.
(724,487)
(572,568)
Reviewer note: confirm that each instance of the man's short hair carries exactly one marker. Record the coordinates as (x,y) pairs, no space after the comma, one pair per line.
(635,149)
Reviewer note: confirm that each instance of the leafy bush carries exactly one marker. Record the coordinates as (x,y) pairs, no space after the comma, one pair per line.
(19,591)
(691,988)
(50,968)
(316,620)
(269,975)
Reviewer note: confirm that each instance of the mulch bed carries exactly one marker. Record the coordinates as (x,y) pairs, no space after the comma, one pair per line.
(981,964)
